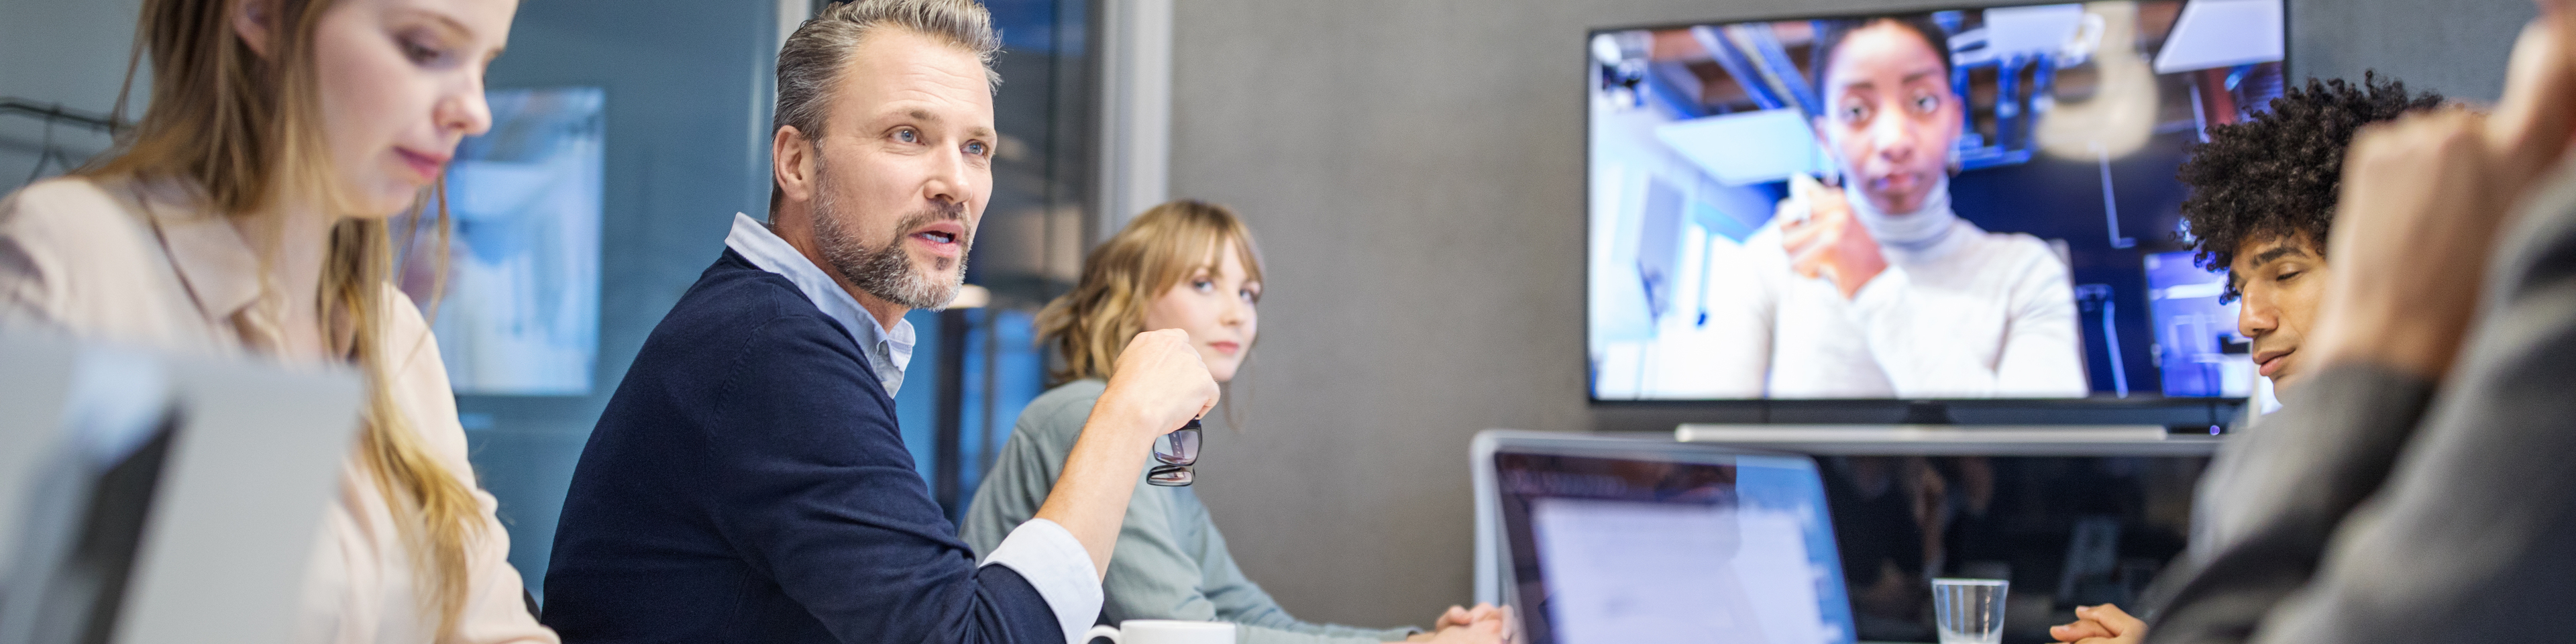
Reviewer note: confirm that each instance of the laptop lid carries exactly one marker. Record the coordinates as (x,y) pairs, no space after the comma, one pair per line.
(1596,539)
(146,497)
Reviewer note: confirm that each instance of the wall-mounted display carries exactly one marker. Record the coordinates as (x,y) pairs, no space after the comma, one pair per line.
(1953,204)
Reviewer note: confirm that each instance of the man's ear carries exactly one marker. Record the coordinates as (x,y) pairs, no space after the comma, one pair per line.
(254,21)
(791,163)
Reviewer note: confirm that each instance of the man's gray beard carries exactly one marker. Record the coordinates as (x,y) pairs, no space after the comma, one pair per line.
(886,271)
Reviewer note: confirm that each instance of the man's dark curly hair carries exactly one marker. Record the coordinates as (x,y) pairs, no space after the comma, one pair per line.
(2276,175)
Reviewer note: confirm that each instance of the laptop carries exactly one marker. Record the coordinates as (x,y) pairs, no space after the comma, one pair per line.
(1629,540)
(147,497)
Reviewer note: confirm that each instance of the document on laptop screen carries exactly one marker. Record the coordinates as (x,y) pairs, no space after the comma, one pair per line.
(1642,572)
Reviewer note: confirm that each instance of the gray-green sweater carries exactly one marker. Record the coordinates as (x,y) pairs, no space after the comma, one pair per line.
(1170,564)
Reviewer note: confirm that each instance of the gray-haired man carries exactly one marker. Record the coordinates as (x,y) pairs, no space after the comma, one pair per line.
(748,481)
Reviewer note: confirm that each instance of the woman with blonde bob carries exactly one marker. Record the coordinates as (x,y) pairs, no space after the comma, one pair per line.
(1188,265)
(245,215)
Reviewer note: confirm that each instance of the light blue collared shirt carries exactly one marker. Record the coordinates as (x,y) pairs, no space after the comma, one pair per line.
(1042,552)
(888,351)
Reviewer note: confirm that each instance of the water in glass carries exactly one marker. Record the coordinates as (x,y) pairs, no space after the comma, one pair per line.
(1969,611)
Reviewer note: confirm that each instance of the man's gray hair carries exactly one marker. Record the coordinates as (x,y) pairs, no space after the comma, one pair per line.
(810,64)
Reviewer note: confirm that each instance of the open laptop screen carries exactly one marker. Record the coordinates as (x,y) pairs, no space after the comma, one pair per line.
(1670,547)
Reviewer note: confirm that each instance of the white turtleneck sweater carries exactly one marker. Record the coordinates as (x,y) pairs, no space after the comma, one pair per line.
(1959,313)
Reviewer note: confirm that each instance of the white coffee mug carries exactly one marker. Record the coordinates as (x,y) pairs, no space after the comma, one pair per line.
(1163,631)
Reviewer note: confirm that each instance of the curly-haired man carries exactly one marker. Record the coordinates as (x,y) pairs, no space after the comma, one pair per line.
(2262,200)
(2263,197)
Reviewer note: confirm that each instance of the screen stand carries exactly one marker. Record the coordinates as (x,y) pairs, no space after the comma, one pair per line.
(1928,412)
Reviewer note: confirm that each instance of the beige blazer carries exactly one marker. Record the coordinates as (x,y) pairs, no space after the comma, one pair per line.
(87,256)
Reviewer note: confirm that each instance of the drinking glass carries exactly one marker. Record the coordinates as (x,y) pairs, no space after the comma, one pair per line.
(1969,611)
(1175,452)
(1162,631)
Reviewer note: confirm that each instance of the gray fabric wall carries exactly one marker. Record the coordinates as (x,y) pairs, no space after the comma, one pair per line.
(1414,171)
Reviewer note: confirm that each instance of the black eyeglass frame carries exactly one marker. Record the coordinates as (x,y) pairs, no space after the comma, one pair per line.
(1174,454)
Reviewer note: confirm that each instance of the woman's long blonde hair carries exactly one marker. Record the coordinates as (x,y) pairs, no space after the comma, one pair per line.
(1086,328)
(246,133)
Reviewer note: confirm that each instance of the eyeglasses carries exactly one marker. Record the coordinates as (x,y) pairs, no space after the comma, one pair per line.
(1176,452)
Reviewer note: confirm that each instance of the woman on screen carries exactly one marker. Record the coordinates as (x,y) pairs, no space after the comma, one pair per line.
(246,214)
(1186,265)
(1878,289)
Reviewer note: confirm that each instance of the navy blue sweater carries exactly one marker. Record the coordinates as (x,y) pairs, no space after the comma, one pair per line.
(747,483)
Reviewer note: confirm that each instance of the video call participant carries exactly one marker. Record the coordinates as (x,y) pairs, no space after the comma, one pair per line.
(2262,205)
(1183,265)
(245,214)
(1879,289)
(748,481)
(2414,486)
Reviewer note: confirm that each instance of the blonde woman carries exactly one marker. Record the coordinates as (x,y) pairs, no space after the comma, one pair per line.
(1184,265)
(245,215)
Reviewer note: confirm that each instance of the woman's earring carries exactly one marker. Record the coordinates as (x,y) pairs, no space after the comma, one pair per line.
(1956,166)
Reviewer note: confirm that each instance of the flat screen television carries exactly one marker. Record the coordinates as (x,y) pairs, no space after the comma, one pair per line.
(1947,205)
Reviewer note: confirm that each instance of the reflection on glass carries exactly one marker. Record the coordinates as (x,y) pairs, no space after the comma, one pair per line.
(2067,531)
(520,306)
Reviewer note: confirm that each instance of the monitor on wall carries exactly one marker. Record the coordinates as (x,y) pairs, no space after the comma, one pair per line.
(1946,205)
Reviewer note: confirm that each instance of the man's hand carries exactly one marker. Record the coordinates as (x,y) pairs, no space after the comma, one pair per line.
(2531,128)
(1487,631)
(2104,624)
(1466,618)
(2422,200)
(1160,384)
(1829,243)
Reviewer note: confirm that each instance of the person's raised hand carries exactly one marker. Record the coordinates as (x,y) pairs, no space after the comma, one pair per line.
(2530,129)
(2414,224)
(1160,383)
(2104,624)
(1829,243)
(2421,201)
